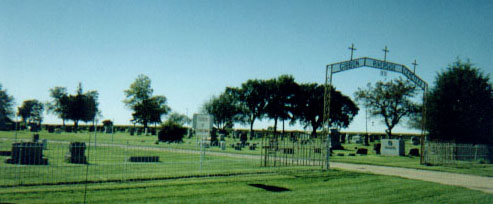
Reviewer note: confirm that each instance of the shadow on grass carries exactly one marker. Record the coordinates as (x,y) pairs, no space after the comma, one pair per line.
(270,188)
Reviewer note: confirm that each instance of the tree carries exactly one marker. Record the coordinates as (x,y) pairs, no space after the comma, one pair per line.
(31,111)
(78,107)
(60,103)
(460,106)
(251,99)
(82,106)
(178,118)
(389,100)
(6,107)
(309,107)
(280,100)
(147,108)
(224,109)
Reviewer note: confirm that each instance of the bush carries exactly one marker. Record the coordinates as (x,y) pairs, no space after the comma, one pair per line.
(172,132)
(131,131)
(68,128)
(51,129)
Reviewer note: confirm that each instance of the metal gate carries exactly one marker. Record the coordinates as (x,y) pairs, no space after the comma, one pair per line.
(293,149)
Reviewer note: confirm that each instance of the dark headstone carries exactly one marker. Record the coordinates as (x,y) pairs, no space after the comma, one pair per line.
(415,140)
(414,152)
(77,153)
(30,153)
(377,147)
(362,151)
(144,159)
(35,137)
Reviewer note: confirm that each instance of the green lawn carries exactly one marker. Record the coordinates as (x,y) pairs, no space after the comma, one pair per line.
(191,144)
(301,186)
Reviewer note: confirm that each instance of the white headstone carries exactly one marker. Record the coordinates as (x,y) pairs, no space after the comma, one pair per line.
(392,147)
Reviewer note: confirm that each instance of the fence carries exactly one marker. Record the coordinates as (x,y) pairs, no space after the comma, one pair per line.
(451,153)
(84,159)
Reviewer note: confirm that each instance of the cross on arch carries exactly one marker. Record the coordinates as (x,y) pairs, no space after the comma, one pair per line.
(414,64)
(352,48)
(385,55)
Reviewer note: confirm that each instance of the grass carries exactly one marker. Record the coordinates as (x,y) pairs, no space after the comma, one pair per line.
(191,144)
(303,186)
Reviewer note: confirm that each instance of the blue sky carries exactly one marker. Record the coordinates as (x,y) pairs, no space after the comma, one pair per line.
(192,50)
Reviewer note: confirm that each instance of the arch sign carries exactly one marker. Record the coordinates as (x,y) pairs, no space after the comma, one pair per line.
(373,63)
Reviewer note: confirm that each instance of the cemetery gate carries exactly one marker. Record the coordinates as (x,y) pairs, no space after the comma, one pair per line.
(293,149)
(377,64)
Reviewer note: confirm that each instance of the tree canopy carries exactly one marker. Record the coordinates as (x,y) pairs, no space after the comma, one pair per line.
(31,111)
(309,107)
(147,108)
(79,107)
(389,100)
(224,109)
(60,103)
(280,99)
(251,99)
(460,106)
(6,107)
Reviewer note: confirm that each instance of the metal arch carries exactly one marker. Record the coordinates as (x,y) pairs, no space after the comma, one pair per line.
(377,64)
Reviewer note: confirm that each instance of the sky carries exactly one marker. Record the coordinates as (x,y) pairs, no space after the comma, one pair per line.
(192,50)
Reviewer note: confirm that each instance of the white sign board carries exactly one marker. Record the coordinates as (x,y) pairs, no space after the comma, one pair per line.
(202,124)
(392,147)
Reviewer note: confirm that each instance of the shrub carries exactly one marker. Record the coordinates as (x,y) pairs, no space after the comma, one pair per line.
(68,128)
(171,132)
(51,129)
(131,131)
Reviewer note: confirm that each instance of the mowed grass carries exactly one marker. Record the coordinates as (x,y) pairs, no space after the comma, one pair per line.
(110,163)
(473,168)
(300,186)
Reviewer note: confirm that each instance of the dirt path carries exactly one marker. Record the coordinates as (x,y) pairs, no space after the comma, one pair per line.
(481,183)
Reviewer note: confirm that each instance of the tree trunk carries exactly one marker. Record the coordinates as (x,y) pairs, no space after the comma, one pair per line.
(283,128)
(76,125)
(145,127)
(63,122)
(275,126)
(251,129)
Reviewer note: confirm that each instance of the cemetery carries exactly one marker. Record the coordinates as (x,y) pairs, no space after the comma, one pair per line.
(246,102)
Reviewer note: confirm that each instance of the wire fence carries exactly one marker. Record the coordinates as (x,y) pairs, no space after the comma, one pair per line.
(79,163)
(451,153)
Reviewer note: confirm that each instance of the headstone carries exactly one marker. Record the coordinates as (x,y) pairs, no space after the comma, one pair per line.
(77,153)
(414,152)
(357,139)
(377,147)
(392,147)
(45,144)
(35,137)
(223,145)
(334,140)
(415,140)
(362,151)
(30,153)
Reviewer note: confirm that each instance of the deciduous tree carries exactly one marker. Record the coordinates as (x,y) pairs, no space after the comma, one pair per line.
(389,100)
(147,108)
